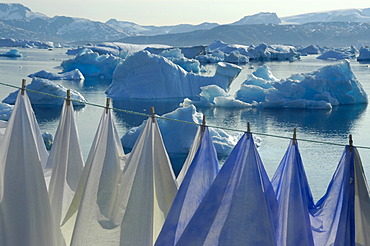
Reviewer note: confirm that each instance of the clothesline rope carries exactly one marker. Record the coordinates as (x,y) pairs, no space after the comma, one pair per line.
(182,121)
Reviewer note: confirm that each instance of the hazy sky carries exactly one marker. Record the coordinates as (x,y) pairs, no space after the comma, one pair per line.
(168,12)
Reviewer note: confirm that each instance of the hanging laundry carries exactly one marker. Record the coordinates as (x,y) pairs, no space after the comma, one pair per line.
(240,206)
(25,213)
(66,163)
(294,200)
(342,215)
(148,188)
(98,189)
(198,179)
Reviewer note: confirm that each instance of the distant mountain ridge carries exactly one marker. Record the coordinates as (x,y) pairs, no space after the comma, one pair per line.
(19,22)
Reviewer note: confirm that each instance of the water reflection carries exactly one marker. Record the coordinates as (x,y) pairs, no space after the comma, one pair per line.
(49,113)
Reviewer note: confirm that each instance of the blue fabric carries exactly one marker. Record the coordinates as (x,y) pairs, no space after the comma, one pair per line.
(195,185)
(240,205)
(294,199)
(333,218)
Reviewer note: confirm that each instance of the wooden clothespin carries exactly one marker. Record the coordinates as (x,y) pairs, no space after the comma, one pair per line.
(107,105)
(248,130)
(68,100)
(23,86)
(153,114)
(203,123)
(350,142)
(295,136)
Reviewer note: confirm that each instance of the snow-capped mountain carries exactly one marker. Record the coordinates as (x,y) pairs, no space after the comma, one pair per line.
(137,30)
(344,15)
(260,18)
(18,12)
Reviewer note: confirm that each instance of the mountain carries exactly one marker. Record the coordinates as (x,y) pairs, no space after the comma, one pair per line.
(137,30)
(337,34)
(345,15)
(20,22)
(260,18)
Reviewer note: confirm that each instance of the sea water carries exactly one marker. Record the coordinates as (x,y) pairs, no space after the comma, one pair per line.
(320,160)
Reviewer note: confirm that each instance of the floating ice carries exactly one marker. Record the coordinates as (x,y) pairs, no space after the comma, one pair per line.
(47,86)
(364,54)
(264,52)
(145,75)
(175,55)
(92,64)
(72,75)
(48,139)
(329,86)
(5,111)
(10,42)
(334,55)
(311,50)
(12,53)
(216,56)
(236,57)
(179,143)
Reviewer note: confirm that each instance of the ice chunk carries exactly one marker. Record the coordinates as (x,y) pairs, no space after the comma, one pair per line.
(311,50)
(145,75)
(179,143)
(175,55)
(5,111)
(329,86)
(47,86)
(12,53)
(72,75)
(265,52)
(92,64)
(216,56)
(236,57)
(48,139)
(334,55)
(364,54)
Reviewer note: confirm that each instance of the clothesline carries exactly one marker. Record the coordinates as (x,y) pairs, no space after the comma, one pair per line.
(182,121)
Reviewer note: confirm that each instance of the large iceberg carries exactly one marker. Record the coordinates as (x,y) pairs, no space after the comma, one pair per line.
(12,53)
(5,111)
(145,75)
(49,87)
(310,50)
(72,75)
(176,56)
(329,86)
(264,52)
(334,55)
(92,64)
(364,54)
(178,143)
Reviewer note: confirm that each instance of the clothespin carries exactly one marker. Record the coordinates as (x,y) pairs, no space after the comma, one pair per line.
(295,136)
(23,86)
(350,142)
(68,100)
(107,105)
(152,112)
(248,130)
(203,123)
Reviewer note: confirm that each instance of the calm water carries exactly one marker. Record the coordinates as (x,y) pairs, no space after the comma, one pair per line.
(319,160)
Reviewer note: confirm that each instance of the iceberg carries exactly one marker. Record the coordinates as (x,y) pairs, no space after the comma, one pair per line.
(310,50)
(145,75)
(12,53)
(226,48)
(91,64)
(264,52)
(72,75)
(334,55)
(175,55)
(48,139)
(5,111)
(322,89)
(47,86)
(177,143)
(214,57)
(364,54)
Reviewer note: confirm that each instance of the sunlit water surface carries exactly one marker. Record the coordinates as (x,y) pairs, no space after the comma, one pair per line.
(320,160)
